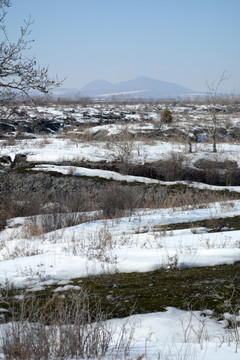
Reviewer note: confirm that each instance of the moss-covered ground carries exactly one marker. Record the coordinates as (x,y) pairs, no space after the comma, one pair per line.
(215,287)
(213,224)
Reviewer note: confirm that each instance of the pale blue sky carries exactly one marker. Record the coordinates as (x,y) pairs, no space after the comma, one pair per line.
(181,41)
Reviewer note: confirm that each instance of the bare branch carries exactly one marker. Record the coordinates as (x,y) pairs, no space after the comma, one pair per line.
(19,74)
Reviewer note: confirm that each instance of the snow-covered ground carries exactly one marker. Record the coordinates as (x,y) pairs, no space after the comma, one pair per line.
(134,243)
(57,150)
(111,119)
(177,335)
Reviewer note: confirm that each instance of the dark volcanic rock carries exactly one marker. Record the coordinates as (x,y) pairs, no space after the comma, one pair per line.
(6,127)
(20,160)
(234,132)
(21,185)
(45,126)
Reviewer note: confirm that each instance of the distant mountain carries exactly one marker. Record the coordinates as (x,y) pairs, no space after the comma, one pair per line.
(141,86)
(96,85)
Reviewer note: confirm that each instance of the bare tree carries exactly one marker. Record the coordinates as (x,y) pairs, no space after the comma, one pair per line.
(123,144)
(18,73)
(212,100)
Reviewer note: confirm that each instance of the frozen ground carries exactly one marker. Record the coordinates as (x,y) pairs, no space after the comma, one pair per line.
(55,150)
(133,245)
(85,132)
(134,242)
(177,334)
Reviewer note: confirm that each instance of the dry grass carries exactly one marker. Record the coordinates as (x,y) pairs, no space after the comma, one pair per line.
(10,141)
(60,328)
(44,141)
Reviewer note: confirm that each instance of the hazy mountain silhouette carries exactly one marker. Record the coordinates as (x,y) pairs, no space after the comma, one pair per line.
(98,85)
(141,86)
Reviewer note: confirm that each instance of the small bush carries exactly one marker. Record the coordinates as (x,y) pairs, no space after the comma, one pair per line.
(38,225)
(116,199)
(213,164)
(57,329)
(171,169)
(60,328)
(219,172)
(166,116)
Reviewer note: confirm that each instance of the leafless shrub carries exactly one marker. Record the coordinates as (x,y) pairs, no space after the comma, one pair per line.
(219,172)
(97,246)
(38,225)
(232,322)
(45,141)
(87,135)
(60,328)
(194,326)
(10,141)
(22,249)
(8,210)
(123,144)
(81,201)
(74,137)
(116,200)
(171,168)
(32,227)
(25,205)
(172,263)
(63,211)
(71,170)
(66,213)
(176,167)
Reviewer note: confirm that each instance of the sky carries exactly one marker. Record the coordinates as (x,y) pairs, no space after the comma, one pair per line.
(188,42)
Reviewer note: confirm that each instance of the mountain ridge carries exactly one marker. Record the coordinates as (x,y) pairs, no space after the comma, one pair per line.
(141,86)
